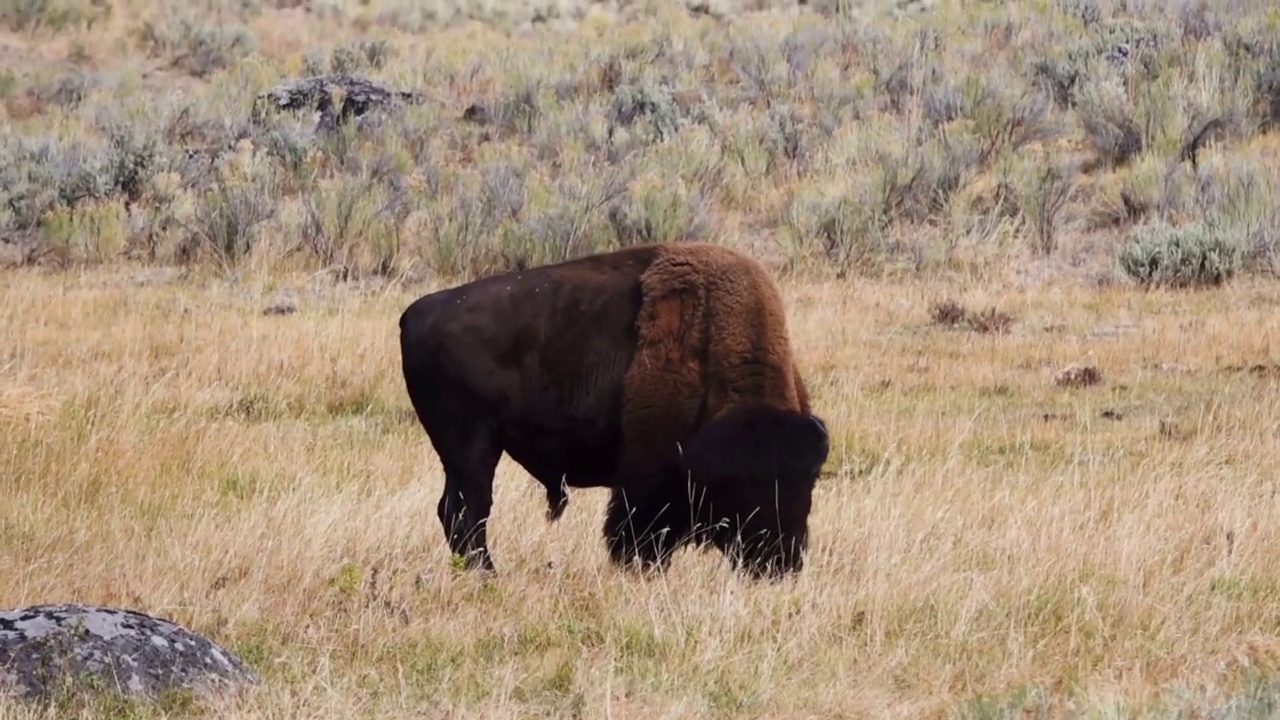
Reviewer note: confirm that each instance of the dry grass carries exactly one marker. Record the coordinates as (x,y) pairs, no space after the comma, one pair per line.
(980,532)
(987,544)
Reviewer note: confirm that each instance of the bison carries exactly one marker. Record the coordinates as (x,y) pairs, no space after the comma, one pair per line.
(662,372)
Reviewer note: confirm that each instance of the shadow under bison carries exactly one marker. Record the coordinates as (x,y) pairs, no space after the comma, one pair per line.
(663,372)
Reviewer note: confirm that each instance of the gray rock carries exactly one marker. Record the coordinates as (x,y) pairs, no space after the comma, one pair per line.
(43,648)
(359,96)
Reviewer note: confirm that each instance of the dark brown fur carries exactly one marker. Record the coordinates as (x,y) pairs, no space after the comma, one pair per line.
(637,370)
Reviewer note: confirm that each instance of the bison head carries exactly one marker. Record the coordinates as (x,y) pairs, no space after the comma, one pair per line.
(753,470)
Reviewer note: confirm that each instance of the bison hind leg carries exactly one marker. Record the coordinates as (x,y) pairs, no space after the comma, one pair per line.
(470,455)
(557,498)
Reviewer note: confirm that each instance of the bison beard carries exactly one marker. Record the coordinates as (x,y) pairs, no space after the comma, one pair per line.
(662,372)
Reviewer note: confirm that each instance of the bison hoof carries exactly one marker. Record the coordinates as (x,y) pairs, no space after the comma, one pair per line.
(474,561)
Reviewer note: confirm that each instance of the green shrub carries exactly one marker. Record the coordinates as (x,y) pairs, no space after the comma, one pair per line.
(1196,255)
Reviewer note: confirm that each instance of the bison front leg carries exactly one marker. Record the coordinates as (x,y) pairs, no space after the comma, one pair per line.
(469,461)
(643,533)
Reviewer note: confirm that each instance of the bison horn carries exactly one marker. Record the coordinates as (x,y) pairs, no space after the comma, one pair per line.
(822,427)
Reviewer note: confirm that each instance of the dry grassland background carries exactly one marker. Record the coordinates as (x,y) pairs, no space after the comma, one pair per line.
(962,200)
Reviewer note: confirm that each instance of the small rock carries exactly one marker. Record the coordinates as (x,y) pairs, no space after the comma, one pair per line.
(705,7)
(42,647)
(478,114)
(1118,56)
(1078,376)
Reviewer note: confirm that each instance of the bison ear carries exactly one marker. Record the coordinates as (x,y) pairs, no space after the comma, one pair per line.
(756,442)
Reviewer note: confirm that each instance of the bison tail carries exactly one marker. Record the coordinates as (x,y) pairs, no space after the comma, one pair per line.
(753,441)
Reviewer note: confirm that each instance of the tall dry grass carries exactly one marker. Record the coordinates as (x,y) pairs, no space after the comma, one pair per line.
(984,542)
(987,544)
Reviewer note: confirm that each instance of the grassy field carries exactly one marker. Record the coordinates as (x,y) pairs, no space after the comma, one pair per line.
(962,202)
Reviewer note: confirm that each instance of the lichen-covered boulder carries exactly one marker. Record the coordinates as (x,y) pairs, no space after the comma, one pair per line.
(46,648)
(359,96)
